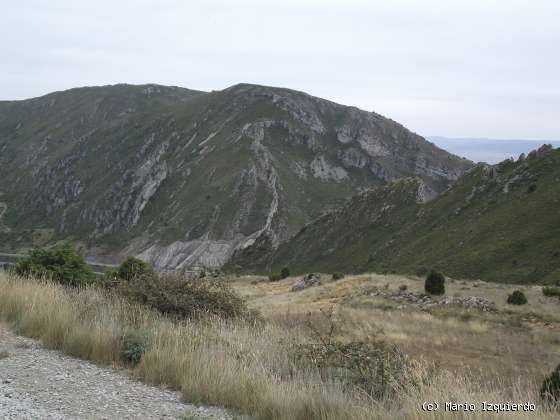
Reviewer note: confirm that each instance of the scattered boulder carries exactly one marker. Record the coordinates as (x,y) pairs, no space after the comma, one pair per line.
(475,302)
(425,302)
(308,280)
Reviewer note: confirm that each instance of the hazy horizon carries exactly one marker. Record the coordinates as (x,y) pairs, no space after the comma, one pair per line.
(489,150)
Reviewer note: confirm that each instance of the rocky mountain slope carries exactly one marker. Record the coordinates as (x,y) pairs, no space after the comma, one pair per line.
(498,223)
(184,178)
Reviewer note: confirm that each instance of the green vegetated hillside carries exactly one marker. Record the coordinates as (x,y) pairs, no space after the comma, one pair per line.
(499,223)
(183,178)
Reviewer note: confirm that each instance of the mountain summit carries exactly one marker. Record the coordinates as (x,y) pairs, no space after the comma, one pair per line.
(182,177)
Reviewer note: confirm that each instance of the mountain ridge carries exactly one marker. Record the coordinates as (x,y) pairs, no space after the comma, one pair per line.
(497,223)
(182,177)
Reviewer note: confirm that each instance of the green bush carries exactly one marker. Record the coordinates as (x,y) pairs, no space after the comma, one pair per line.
(435,283)
(285,273)
(550,389)
(130,269)
(403,288)
(60,263)
(517,298)
(185,297)
(337,276)
(134,344)
(551,291)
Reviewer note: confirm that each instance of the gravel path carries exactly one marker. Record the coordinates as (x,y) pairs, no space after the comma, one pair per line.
(36,383)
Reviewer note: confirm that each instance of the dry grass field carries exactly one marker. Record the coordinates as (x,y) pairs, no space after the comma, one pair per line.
(515,343)
(248,367)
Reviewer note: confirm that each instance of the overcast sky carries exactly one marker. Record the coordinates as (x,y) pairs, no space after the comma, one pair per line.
(476,68)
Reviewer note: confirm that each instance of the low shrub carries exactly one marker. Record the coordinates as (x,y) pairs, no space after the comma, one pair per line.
(435,283)
(180,296)
(373,367)
(134,344)
(60,263)
(337,276)
(551,291)
(517,298)
(532,188)
(130,269)
(550,389)
(284,273)
(403,288)
(274,277)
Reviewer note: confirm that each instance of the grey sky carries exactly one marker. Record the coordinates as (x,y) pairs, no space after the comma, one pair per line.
(476,68)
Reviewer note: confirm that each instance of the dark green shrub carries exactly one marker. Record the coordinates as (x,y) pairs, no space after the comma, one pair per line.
(185,297)
(435,283)
(131,268)
(551,291)
(550,389)
(517,298)
(60,263)
(337,276)
(403,288)
(134,344)
(285,273)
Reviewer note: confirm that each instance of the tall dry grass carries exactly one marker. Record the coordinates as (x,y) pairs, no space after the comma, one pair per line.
(233,364)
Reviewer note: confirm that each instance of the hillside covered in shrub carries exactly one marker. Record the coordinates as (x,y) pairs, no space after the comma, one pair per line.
(497,223)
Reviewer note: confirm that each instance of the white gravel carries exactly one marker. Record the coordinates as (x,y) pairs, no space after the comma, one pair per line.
(36,383)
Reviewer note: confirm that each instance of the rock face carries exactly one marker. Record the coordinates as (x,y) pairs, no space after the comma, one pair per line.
(186,178)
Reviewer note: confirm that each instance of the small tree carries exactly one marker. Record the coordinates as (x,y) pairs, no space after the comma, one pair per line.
(550,389)
(285,272)
(517,298)
(60,263)
(435,283)
(132,268)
